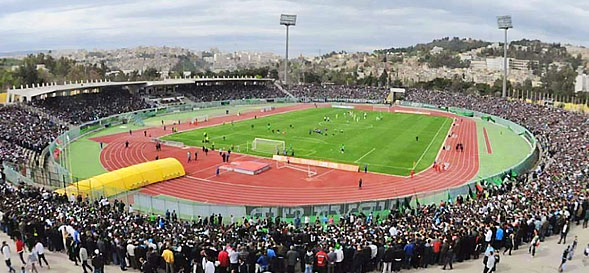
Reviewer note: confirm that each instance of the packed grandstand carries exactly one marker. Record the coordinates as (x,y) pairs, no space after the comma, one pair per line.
(548,201)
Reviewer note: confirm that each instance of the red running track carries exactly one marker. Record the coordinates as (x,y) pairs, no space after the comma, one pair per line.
(487,142)
(285,186)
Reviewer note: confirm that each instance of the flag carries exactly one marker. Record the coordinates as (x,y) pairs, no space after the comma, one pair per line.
(407,203)
(449,197)
(479,187)
(399,207)
(417,201)
(470,193)
(56,153)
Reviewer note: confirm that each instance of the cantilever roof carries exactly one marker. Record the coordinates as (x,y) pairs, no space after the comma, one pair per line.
(48,89)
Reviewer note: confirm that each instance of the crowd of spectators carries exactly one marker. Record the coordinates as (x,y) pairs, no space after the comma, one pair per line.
(238,91)
(523,211)
(85,107)
(11,152)
(322,92)
(22,130)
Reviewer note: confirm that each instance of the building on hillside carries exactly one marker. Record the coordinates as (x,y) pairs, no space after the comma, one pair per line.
(496,63)
(478,64)
(436,50)
(582,83)
(516,64)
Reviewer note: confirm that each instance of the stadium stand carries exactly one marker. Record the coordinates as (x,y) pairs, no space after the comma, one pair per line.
(527,208)
(200,93)
(92,106)
(339,91)
(24,134)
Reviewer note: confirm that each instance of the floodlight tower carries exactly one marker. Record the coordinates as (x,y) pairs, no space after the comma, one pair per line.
(287,20)
(504,22)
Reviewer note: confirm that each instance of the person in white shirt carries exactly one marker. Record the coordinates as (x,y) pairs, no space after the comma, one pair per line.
(233,258)
(488,237)
(6,254)
(40,249)
(490,262)
(209,267)
(339,259)
(31,260)
(131,254)
(393,231)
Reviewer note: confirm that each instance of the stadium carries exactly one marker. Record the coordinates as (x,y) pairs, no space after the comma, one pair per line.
(437,156)
(299,159)
(290,156)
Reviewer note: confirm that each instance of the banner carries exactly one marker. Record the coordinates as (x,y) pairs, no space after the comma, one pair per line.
(324,164)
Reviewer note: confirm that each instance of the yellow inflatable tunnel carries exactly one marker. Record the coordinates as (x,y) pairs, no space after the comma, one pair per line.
(126,179)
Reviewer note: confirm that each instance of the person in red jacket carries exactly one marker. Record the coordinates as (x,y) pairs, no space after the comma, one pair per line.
(321,260)
(20,249)
(223,260)
(437,245)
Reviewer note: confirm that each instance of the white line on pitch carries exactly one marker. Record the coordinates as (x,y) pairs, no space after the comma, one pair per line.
(364,155)
(431,142)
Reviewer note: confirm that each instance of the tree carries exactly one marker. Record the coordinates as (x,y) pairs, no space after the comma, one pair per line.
(28,72)
(384,78)
(6,79)
(397,83)
(150,74)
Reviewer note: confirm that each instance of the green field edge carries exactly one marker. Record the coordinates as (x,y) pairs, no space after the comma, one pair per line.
(508,149)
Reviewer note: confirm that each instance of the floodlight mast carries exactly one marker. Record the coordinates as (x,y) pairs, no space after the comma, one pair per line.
(287,20)
(504,22)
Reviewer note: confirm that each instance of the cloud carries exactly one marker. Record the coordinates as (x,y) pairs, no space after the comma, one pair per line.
(322,26)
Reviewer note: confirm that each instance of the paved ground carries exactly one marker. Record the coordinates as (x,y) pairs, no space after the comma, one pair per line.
(547,259)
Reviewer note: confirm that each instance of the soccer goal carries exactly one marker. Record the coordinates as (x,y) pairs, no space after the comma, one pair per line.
(268,146)
(200,119)
(310,171)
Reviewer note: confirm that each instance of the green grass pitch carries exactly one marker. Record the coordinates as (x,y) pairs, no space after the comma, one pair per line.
(386,142)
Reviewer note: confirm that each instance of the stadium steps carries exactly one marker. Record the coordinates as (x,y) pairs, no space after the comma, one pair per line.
(41,112)
(277,85)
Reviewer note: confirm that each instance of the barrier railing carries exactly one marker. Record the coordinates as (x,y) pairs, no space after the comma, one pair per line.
(187,209)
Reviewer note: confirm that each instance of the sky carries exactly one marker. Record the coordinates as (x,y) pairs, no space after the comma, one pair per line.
(322,25)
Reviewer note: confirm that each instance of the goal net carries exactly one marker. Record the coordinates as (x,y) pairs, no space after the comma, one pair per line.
(267,109)
(310,171)
(268,146)
(199,119)
(380,108)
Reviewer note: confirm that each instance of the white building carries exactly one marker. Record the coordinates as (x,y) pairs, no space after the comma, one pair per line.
(582,83)
(436,50)
(496,63)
